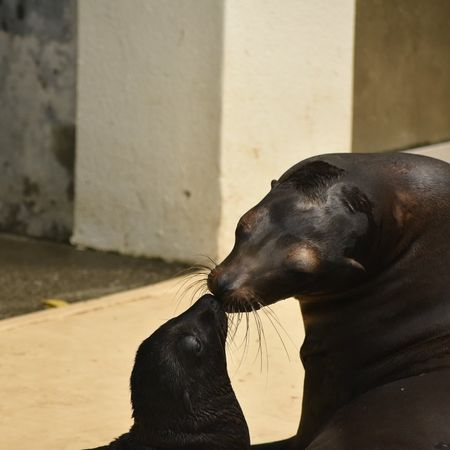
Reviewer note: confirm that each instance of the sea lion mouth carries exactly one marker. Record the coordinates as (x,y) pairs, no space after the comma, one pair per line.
(241,300)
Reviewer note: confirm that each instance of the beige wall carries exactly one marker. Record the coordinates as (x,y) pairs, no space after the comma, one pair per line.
(287,93)
(148,126)
(188,108)
(402,74)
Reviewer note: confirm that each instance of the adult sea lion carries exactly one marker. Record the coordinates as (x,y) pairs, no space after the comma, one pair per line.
(180,390)
(363,241)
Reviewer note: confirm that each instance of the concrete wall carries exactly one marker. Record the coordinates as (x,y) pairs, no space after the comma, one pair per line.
(402,74)
(148,126)
(287,94)
(37,115)
(187,110)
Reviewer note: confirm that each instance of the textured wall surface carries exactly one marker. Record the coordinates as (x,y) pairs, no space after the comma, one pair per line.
(402,74)
(148,126)
(37,113)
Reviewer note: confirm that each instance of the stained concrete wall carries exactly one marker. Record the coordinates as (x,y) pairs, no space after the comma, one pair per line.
(37,98)
(188,108)
(402,74)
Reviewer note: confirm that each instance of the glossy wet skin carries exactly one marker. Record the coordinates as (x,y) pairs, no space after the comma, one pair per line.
(181,393)
(296,242)
(178,356)
(363,242)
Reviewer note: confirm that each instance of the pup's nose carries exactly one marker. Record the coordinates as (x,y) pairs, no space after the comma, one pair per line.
(209,302)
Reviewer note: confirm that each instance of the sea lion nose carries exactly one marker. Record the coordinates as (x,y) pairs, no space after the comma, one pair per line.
(209,301)
(209,304)
(218,281)
(223,280)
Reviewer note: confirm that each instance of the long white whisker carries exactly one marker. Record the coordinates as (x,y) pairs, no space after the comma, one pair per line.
(278,334)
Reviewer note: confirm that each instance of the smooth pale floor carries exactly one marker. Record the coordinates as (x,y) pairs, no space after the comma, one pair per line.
(64,373)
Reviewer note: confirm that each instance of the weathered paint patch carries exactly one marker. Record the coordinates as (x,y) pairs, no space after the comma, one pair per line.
(37,118)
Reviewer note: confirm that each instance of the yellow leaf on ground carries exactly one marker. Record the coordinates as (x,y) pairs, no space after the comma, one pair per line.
(54,303)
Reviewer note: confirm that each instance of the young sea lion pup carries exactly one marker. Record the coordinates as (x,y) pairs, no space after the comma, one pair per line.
(181,394)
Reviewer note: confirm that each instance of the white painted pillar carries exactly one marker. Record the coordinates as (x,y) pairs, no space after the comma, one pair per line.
(148,126)
(188,108)
(287,94)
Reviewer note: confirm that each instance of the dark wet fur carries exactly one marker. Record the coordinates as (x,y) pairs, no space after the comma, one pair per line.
(312,179)
(180,390)
(363,241)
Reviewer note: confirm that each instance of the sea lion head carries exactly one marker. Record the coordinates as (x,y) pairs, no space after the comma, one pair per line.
(310,234)
(180,390)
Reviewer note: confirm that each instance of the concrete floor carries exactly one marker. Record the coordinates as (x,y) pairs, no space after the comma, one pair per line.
(438,151)
(32,271)
(65,372)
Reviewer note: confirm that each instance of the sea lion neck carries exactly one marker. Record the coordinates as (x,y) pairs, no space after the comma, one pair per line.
(223,432)
(392,326)
(359,327)
(215,423)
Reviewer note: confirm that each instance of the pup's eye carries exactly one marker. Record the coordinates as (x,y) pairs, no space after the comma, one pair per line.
(192,344)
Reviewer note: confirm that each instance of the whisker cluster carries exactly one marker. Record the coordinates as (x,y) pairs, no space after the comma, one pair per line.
(242,310)
(194,283)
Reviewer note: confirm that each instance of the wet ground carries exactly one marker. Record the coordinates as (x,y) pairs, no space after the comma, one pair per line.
(32,271)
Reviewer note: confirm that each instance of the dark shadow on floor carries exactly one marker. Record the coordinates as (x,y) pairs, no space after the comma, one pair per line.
(32,271)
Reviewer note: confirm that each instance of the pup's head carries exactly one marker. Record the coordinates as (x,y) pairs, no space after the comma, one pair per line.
(180,390)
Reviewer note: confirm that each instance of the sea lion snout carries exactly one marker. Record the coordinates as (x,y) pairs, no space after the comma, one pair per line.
(205,304)
(207,315)
(230,287)
(208,305)
(223,279)
(208,301)
(217,283)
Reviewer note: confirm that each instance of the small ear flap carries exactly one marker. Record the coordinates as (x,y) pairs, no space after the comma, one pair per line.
(354,264)
(273,183)
(187,402)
